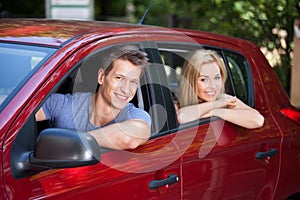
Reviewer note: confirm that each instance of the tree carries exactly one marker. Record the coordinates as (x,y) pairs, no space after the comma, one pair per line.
(267,23)
(22,8)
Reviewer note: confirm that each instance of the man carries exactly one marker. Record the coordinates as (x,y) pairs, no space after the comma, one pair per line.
(107,115)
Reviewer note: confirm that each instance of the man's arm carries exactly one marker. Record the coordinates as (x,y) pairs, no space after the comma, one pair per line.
(124,135)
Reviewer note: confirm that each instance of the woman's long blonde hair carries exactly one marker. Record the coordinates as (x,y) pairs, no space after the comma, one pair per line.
(191,72)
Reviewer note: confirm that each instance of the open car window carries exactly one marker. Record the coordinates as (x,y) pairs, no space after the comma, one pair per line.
(239,79)
(83,78)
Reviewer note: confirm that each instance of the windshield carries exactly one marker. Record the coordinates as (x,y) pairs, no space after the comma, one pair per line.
(17,64)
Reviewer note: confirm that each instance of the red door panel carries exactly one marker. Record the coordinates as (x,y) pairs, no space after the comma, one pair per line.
(221,163)
(119,175)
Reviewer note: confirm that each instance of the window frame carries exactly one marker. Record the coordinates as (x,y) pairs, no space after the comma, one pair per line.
(222,52)
(249,81)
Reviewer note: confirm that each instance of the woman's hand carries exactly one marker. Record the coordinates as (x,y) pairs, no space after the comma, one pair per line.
(218,106)
(231,101)
(225,101)
(237,112)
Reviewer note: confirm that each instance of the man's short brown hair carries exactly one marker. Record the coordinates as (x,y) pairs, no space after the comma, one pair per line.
(126,52)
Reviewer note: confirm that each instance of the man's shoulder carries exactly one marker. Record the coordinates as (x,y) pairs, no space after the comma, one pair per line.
(132,107)
(80,99)
(59,96)
(67,98)
(138,113)
(81,95)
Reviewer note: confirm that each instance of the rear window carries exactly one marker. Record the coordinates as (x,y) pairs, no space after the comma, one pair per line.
(18,62)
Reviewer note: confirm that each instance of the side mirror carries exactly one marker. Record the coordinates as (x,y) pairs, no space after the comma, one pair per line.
(64,148)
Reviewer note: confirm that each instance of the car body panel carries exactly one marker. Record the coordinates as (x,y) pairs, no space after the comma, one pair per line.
(276,100)
(208,165)
(115,169)
(219,174)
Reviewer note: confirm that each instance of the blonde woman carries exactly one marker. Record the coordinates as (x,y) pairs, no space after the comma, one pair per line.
(202,93)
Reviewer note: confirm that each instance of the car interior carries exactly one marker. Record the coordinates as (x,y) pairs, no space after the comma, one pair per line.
(83,78)
(237,67)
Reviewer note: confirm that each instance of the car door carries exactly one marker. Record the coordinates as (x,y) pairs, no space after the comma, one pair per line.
(221,160)
(151,171)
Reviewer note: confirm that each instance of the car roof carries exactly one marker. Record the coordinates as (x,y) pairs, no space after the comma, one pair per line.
(54,32)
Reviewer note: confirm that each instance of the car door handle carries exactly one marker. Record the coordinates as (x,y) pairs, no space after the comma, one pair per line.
(172,178)
(270,153)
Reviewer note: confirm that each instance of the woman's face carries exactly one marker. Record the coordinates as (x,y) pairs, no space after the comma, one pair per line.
(209,83)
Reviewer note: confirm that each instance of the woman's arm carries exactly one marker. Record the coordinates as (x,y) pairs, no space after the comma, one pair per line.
(125,135)
(240,114)
(194,112)
(228,108)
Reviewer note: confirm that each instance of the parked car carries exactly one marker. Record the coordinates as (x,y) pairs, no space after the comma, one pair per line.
(180,161)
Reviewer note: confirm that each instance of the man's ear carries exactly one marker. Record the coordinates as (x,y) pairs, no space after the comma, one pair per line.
(100,76)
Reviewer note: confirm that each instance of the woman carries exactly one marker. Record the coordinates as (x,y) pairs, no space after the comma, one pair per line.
(202,93)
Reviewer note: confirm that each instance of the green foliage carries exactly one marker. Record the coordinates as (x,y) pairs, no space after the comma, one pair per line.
(159,11)
(260,21)
(267,23)
(23,8)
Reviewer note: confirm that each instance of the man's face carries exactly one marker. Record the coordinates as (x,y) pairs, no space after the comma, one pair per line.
(119,86)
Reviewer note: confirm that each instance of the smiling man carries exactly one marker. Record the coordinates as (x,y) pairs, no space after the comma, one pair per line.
(107,115)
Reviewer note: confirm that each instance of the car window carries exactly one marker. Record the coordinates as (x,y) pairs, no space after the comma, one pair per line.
(17,63)
(239,77)
(238,66)
(173,58)
(83,78)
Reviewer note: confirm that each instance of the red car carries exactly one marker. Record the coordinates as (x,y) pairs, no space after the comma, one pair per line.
(180,161)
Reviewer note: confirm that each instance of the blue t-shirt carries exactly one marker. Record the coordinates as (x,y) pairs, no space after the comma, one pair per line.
(72,111)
